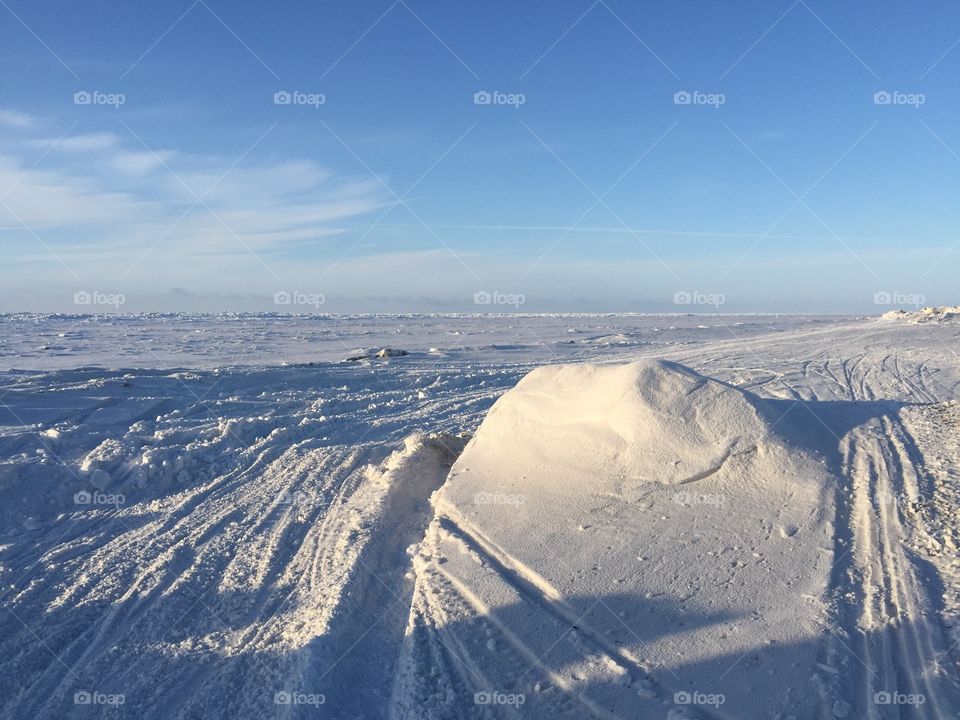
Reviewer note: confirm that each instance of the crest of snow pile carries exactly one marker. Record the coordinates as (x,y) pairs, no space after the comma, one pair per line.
(946,313)
(649,420)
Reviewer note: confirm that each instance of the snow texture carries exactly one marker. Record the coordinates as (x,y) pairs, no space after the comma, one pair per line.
(654,517)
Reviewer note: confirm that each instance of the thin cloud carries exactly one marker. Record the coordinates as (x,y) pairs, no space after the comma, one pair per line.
(106,194)
(13,119)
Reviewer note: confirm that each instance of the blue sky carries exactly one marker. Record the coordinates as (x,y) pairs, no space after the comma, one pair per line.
(587,184)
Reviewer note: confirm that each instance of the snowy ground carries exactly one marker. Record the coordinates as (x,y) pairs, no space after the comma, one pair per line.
(210,517)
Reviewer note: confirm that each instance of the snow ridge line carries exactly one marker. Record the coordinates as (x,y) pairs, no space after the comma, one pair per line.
(714,469)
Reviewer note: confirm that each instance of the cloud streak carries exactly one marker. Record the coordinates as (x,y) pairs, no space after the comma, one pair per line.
(101,201)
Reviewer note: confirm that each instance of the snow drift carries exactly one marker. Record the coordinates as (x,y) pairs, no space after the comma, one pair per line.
(946,313)
(634,536)
(645,421)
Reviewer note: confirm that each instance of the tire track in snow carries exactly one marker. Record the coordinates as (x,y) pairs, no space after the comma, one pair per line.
(605,680)
(535,589)
(897,637)
(366,624)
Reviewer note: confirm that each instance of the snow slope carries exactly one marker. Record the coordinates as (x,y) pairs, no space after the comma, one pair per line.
(194,526)
(647,472)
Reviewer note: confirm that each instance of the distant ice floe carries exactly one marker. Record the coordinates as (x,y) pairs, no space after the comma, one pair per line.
(381,353)
(946,313)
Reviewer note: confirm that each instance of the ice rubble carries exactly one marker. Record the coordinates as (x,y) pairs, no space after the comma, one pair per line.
(945,313)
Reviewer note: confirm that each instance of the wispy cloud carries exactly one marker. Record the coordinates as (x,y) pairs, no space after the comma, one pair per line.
(11,118)
(103,203)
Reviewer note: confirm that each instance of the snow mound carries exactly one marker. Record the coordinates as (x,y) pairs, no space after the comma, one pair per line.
(945,313)
(627,534)
(650,420)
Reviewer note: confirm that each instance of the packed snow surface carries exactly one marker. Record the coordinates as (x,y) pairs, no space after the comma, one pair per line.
(521,516)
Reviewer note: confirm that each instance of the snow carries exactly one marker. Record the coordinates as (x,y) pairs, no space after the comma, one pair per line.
(376,353)
(646,472)
(185,342)
(924,315)
(649,421)
(670,516)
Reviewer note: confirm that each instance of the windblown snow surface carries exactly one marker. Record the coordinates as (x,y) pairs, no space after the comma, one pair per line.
(479,517)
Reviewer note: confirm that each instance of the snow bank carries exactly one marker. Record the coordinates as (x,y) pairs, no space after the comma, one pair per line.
(628,534)
(646,421)
(946,313)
